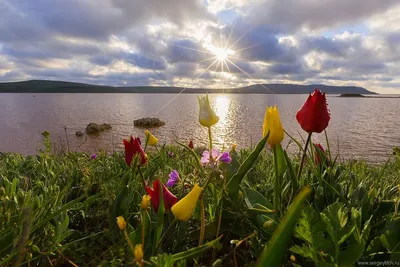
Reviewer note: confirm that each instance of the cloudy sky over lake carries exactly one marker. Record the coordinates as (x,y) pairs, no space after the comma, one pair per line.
(202,43)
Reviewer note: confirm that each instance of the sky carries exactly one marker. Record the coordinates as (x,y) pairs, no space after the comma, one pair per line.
(202,43)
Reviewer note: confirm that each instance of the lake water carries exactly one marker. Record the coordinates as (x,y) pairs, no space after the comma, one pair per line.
(359,128)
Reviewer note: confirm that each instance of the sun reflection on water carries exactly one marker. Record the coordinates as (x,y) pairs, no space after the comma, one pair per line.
(223,130)
(222,103)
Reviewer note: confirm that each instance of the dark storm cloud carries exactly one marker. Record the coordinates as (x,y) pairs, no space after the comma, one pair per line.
(101,60)
(295,68)
(134,79)
(366,67)
(354,78)
(183,69)
(145,62)
(185,50)
(49,49)
(111,78)
(12,75)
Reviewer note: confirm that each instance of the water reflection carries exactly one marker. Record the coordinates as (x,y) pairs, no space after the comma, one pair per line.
(222,103)
(241,117)
(223,130)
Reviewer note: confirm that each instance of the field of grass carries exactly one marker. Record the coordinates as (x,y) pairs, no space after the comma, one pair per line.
(61,210)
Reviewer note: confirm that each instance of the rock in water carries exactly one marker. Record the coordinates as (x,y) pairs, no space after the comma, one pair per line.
(78,133)
(95,129)
(105,126)
(148,122)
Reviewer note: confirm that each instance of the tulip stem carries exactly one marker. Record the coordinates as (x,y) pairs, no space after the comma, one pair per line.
(203,224)
(146,141)
(143,226)
(277,193)
(165,233)
(129,242)
(329,147)
(304,156)
(141,176)
(210,138)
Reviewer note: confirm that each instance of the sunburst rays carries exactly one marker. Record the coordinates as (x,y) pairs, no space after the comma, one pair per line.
(222,57)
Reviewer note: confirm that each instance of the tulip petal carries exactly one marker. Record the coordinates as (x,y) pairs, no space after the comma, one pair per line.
(314,115)
(272,124)
(183,210)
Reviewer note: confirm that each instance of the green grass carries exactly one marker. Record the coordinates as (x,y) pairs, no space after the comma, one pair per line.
(60,209)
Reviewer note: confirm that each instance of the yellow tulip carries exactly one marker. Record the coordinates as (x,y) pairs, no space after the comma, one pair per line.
(234,147)
(272,123)
(145,204)
(121,223)
(184,208)
(207,117)
(151,140)
(138,252)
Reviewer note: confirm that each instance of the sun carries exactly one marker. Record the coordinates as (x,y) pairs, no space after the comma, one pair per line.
(222,54)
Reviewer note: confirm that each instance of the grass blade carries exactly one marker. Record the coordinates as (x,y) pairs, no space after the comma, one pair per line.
(191,253)
(160,220)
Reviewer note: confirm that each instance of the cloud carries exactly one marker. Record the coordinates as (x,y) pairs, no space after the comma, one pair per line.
(91,19)
(185,50)
(145,62)
(291,15)
(169,42)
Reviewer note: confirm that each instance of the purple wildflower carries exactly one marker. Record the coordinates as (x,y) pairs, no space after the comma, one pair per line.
(173,178)
(216,156)
(93,156)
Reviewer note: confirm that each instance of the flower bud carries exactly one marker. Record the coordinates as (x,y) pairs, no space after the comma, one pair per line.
(121,223)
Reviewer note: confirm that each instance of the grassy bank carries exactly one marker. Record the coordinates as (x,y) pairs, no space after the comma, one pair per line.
(60,210)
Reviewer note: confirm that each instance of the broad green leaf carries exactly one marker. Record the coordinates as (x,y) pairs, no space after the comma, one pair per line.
(366,230)
(118,208)
(234,183)
(391,239)
(346,235)
(273,255)
(162,260)
(336,219)
(280,160)
(374,246)
(253,197)
(350,255)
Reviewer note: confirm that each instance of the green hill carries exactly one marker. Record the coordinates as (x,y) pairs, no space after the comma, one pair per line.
(44,86)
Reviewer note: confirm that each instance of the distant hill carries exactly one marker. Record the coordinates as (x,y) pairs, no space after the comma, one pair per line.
(42,86)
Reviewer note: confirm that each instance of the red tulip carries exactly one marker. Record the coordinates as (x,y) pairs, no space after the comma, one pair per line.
(169,198)
(314,115)
(191,144)
(132,148)
(319,151)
